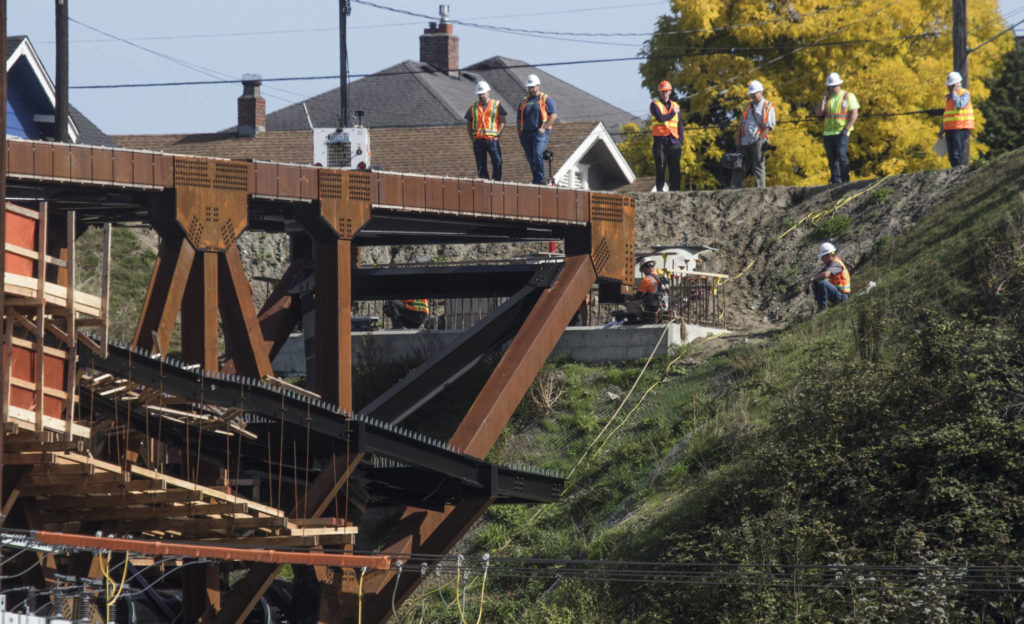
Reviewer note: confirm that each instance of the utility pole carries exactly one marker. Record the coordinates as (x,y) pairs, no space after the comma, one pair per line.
(960,38)
(344,9)
(60,113)
(960,51)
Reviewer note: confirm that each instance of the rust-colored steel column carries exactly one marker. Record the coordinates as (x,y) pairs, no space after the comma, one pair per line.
(343,206)
(334,322)
(432,532)
(246,593)
(241,327)
(165,293)
(279,314)
(200,591)
(199,316)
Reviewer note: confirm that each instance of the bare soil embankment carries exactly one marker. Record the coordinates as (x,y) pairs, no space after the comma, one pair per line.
(750,225)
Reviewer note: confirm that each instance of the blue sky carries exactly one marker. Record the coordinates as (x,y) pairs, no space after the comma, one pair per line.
(190,40)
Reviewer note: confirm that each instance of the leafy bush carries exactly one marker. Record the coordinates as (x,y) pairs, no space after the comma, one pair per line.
(833,228)
(878,196)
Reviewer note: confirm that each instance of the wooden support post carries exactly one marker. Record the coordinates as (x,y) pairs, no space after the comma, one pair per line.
(70,379)
(105,288)
(40,380)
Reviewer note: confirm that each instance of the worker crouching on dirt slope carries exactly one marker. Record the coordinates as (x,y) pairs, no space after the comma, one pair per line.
(646,299)
(831,284)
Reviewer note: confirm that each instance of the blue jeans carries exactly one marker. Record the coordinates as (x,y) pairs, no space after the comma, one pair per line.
(483,147)
(956,147)
(825,292)
(534,145)
(838,163)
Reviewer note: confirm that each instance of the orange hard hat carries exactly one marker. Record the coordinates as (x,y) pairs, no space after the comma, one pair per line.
(664,85)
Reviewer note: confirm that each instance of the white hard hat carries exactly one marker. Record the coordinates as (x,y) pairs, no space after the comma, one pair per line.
(755,86)
(482,87)
(532,81)
(952,78)
(826,248)
(833,79)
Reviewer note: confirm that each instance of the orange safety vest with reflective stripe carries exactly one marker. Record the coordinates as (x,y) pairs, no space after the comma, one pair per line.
(841,280)
(666,128)
(543,109)
(958,119)
(417,305)
(649,284)
(764,130)
(485,120)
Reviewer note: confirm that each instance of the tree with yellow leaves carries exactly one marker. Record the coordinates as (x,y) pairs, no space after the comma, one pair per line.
(893,54)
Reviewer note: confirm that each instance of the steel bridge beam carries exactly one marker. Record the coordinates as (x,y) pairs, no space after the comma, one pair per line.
(432,532)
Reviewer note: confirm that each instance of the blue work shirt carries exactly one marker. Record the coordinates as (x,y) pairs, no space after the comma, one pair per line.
(531,113)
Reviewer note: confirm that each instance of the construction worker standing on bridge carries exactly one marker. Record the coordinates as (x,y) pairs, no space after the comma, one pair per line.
(484,122)
(840,109)
(756,125)
(831,284)
(666,130)
(537,114)
(957,121)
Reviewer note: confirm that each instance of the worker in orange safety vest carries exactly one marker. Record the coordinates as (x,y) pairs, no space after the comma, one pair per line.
(756,125)
(647,298)
(667,134)
(537,114)
(957,121)
(407,313)
(832,283)
(484,122)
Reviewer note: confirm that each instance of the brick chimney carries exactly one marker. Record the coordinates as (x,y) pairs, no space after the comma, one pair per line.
(252,108)
(438,47)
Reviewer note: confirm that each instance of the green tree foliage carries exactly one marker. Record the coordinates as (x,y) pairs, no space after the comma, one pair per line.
(893,55)
(1004,108)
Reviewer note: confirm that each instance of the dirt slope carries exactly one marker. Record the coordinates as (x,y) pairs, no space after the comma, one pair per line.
(744,225)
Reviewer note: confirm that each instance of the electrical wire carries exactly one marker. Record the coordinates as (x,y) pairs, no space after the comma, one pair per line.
(684,52)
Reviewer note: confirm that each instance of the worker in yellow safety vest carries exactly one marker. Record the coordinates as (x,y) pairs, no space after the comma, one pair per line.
(484,122)
(832,283)
(839,108)
(957,121)
(667,138)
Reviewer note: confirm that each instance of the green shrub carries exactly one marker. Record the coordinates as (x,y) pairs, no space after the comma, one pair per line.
(833,228)
(878,196)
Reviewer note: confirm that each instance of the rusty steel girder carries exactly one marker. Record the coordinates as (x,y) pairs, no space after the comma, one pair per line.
(201,206)
(431,532)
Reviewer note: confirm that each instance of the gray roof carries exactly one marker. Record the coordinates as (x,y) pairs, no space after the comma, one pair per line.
(13,42)
(416,94)
(88,132)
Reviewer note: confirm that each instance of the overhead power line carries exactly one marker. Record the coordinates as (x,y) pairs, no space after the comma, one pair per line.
(683,52)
